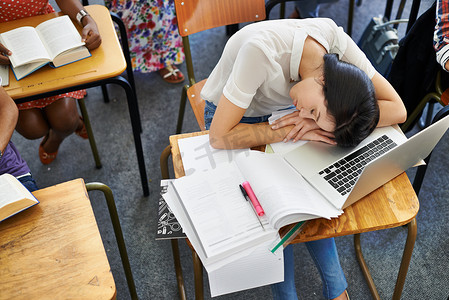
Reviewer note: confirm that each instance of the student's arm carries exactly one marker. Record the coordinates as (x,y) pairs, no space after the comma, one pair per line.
(8,118)
(90,33)
(227,133)
(392,109)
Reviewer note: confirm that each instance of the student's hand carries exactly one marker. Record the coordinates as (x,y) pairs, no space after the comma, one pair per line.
(304,129)
(4,53)
(90,34)
(319,135)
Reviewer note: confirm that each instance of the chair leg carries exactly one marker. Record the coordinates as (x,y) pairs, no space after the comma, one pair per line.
(406,257)
(403,269)
(182,108)
(364,267)
(104,90)
(350,17)
(178,269)
(90,133)
(174,243)
(198,274)
(163,162)
(118,232)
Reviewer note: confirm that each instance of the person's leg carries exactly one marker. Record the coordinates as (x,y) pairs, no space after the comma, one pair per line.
(310,8)
(28,182)
(32,124)
(63,119)
(307,8)
(286,289)
(325,255)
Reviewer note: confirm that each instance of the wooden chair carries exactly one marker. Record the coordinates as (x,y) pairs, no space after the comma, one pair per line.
(198,15)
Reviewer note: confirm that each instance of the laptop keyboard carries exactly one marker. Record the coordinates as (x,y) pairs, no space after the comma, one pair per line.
(343,174)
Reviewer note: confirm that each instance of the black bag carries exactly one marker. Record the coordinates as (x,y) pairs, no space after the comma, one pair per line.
(380,43)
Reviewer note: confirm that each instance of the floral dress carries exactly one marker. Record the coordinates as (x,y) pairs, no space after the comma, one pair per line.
(18,9)
(152,30)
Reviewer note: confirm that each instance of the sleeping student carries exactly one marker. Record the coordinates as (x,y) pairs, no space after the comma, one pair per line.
(340,99)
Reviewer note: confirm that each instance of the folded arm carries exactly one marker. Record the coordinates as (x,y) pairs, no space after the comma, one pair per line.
(392,109)
(227,133)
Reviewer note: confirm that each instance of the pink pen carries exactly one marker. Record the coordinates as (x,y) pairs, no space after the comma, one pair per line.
(253,198)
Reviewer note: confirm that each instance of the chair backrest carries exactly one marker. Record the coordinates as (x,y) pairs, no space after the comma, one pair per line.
(198,15)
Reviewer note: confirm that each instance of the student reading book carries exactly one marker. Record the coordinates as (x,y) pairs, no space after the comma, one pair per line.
(55,41)
(14,197)
(42,118)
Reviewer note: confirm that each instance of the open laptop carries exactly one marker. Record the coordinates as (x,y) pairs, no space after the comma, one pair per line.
(345,175)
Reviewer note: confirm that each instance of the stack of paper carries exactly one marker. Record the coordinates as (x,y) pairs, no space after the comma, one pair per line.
(221,224)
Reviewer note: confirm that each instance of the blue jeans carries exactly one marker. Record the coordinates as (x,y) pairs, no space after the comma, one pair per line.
(310,8)
(209,111)
(324,252)
(28,182)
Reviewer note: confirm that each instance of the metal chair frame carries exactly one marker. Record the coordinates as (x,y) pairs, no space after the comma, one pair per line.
(107,192)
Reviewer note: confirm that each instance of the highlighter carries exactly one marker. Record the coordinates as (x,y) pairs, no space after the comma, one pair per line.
(253,198)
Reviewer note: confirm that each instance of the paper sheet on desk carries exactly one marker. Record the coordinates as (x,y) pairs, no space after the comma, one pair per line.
(259,268)
(4,75)
(198,155)
(282,147)
(248,269)
(170,197)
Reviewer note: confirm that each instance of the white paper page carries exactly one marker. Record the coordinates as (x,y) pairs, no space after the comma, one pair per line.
(259,268)
(281,182)
(209,264)
(198,155)
(8,194)
(4,74)
(223,219)
(25,45)
(280,113)
(59,35)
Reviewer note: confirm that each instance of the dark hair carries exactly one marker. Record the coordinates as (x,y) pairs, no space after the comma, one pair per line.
(351,100)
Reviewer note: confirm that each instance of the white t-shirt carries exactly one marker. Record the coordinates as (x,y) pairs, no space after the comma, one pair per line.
(260,61)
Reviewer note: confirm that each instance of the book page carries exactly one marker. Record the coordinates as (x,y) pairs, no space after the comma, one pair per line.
(282,191)
(59,35)
(25,45)
(8,193)
(14,197)
(223,219)
(198,155)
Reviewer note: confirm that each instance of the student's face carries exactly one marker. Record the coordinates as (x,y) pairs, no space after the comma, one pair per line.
(308,97)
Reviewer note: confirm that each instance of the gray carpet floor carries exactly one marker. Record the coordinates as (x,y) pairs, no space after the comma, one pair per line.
(151,260)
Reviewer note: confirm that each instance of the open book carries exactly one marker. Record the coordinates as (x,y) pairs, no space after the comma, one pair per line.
(220,218)
(55,41)
(14,197)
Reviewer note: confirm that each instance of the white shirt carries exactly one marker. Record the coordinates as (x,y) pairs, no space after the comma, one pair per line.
(260,60)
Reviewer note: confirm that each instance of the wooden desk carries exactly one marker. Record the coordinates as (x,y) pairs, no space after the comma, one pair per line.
(54,250)
(392,205)
(103,67)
